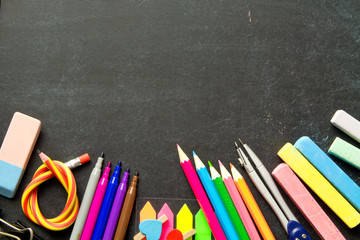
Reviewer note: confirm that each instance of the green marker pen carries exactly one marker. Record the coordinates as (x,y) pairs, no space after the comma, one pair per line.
(228,203)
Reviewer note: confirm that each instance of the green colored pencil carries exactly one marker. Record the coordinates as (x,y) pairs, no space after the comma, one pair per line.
(228,203)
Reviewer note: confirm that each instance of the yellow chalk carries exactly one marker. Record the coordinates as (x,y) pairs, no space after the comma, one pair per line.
(184,220)
(307,172)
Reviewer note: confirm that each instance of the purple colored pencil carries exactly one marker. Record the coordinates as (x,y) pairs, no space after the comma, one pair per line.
(116,208)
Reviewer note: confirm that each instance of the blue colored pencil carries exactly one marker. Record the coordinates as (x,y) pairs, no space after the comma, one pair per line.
(106,204)
(215,200)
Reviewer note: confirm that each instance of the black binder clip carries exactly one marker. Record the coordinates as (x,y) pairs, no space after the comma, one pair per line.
(16,233)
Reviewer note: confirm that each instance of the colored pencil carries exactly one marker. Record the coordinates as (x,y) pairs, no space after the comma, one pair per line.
(239,203)
(200,195)
(251,204)
(228,204)
(214,197)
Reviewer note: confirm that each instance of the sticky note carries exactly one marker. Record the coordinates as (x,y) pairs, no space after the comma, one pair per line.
(16,150)
(308,206)
(332,172)
(147,212)
(347,123)
(184,220)
(169,224)
(346,152)
(203,231)
(318,183)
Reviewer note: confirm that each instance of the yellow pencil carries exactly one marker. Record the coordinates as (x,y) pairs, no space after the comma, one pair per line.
(251,204)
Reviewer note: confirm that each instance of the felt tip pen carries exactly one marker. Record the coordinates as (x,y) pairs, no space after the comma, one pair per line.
(107,204)
(116,208)
(87,199)
(127,209)
(96,204)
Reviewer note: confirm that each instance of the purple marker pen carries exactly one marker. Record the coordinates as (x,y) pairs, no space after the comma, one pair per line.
(116,208)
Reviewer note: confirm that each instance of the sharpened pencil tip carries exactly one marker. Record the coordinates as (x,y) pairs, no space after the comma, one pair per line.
(194,154)
(220,163)
(210,165)
(231,166)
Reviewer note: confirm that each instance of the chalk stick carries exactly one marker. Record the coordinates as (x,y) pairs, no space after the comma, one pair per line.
(328,168)
(308,206)
(16,150)
(347,123)
(318,183)
(346,152)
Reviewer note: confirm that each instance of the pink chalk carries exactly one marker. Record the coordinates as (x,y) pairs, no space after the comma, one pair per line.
(169,224)
(303,200)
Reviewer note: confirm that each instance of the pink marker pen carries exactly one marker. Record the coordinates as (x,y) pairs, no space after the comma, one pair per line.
(96,204)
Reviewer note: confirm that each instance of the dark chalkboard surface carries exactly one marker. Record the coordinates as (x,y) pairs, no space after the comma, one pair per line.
(132,78)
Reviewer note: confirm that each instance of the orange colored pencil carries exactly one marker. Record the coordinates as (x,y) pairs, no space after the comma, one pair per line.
(251,204)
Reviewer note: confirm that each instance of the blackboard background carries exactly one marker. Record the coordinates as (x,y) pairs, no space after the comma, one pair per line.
(132,78)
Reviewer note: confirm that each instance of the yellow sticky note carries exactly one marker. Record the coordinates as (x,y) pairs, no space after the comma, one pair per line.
(308,173)
(184,220)
(147,212)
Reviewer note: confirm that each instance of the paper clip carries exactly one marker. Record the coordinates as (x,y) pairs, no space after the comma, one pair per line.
(18,233)
(289,222)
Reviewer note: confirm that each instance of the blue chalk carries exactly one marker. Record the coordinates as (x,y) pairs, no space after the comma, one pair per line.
(8,173)
(336,176)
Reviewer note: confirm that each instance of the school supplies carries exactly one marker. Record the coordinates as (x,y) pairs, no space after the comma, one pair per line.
(200,195)
(228,204)
(127,209)
(16,150)
(150,227)
(96,204)
(107,204)
(16,231)
(239,203)
(346,123)
(116,208)
(184,220)
(308,206)
(169,224)
(203,231)
(317,182)
(45,172)
(87,199)
(282,211)
(332,172)
(214,197)
(346,152)
(178,235)
(251,204)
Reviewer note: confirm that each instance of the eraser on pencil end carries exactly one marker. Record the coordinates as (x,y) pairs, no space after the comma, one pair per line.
(16,150)
(84,158)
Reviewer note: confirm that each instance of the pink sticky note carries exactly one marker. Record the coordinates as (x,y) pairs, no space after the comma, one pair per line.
(169,224)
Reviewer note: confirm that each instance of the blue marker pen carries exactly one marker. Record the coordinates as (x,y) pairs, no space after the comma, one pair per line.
(215,199)
(106,204)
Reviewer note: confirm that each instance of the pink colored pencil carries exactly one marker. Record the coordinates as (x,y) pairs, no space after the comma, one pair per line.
(239,204)
(200,195)
(169,224)
(96,205)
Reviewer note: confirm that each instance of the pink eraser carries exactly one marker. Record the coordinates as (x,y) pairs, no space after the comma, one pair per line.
(16,150)
(303,200)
